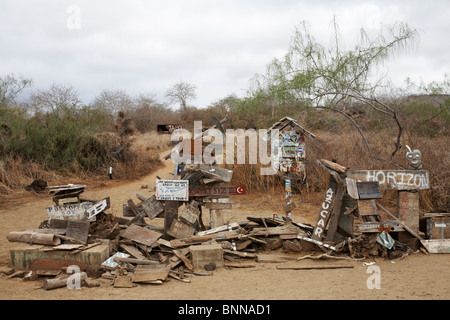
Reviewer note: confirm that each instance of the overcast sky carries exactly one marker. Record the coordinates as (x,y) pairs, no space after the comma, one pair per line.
(217,45)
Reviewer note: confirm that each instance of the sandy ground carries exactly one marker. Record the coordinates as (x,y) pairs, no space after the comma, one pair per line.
(419,276)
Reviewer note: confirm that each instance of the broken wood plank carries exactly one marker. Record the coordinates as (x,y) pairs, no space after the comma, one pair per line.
(327,256)
(170,214)
(180,230)
(239,264)
(152,207)
(140,235)
(228,227)
(270,258)
(133,251)
(150,274)
(78,230)
(240,254)
(311,267)
(124,281)
(275,231)
(173,275)
(136,261)
(189,214)
(186,261)
(334,166)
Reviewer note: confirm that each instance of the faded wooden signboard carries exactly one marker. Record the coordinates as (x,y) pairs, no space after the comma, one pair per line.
(394,179)
(172,190)
(69,212)
(217,191)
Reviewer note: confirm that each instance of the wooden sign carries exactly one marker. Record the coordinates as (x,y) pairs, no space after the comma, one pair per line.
(217,191)
(394,179)
(69,212)
(325,210)
(172,190)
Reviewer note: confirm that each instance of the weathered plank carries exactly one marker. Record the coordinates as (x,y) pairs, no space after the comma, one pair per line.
(310,267)
(186,261)
(152,207)
(150,274)
(437,246)
(189,214)
(170,214)
(133,251)
(180,230)
(408,209)
(281,230)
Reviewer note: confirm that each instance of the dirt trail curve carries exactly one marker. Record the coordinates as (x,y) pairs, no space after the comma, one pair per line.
(416,277)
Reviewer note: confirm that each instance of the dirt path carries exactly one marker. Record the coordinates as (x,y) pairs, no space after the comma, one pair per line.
(416,277)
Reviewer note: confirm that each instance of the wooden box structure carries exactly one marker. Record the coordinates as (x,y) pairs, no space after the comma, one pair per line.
(38,257)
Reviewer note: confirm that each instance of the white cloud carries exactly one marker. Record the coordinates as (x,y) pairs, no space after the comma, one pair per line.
(145,46)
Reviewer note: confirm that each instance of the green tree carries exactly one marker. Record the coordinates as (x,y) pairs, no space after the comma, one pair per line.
(334,77)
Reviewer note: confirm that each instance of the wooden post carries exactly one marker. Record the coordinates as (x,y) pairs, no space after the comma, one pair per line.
(170,214)
(216,217)
(325,210)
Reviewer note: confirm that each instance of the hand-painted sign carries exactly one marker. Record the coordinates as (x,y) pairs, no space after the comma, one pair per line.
(394,179)
(69,212)
(173,190)
(217,191)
